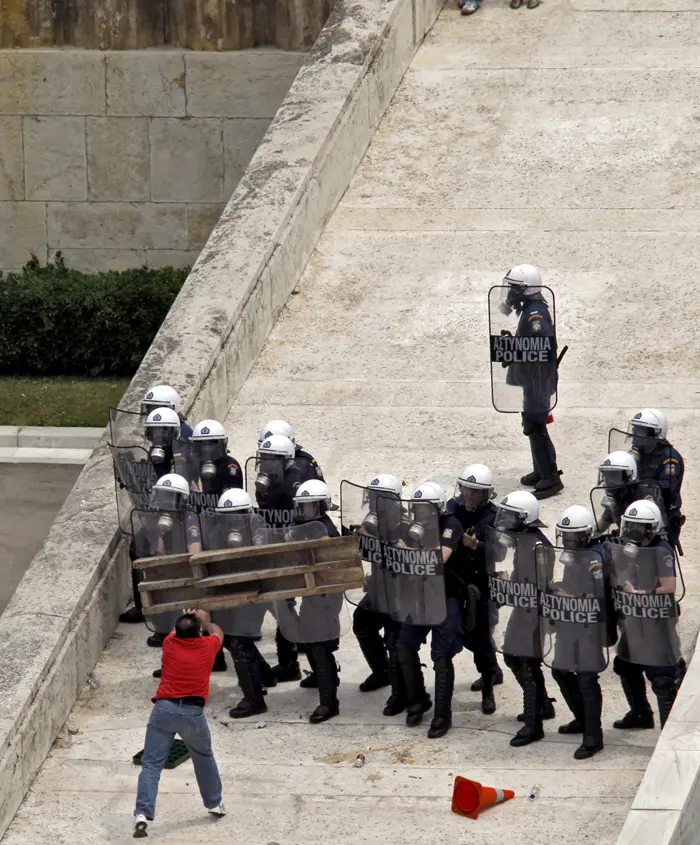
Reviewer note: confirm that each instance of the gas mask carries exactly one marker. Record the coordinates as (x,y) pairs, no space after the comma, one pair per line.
(270,469)
(644,439)
(512,299)
(422,528)
(234,540)
(632,535)
(165,524)
(370,524)
(161,441)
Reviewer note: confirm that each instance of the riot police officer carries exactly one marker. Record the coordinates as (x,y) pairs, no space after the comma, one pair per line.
(316,623)
(368,619)
(579,654)
(164,396)
(305,460)
(538,380)
(466,575)
(213,469)
(644,585)
(428,506)
(234,525)
(277,479)
(658,461)
(517,530)
(618,475)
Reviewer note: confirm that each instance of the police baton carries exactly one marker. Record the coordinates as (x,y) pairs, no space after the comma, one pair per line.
(561,355)
(679,547)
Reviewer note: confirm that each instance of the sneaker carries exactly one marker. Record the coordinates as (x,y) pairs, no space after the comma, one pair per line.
(471,6)
(218,811)
(140,825)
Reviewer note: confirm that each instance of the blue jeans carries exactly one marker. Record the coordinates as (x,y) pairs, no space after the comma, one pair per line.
(188,721)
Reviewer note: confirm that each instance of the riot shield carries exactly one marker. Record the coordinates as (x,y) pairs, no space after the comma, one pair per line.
(356,518)
(126,427)
(412,569)
(516,565)
(312,618)
(609,503)
(236,531)
(523,348)
(267,481)
(157,533)
(644,585)
(573,612)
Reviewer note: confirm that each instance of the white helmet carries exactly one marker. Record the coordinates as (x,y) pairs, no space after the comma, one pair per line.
(277,446)
(163,418)
(430,491)
(618,468)
(516,511)
(234,501)
(476,477)
(641,520)
(524,275)
(312,499)
(160,396)
(276,427)
(385,483)
(209,430)
(650,423)
(170,492)
(575,526)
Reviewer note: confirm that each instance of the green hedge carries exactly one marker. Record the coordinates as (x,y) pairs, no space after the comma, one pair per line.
(57,321)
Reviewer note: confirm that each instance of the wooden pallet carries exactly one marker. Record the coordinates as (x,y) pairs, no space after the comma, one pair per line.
(226,578)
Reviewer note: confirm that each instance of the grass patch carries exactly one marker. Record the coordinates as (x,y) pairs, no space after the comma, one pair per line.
(59,400)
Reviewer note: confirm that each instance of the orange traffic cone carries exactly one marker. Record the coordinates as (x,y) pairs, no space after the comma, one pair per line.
(469,796)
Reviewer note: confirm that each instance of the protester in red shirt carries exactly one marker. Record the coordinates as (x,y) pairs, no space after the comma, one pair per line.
(179,709)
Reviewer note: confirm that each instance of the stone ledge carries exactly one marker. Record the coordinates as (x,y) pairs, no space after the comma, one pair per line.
(57,437)
(205,349)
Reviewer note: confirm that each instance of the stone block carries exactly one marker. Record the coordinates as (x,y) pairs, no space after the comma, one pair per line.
(172,257)
(49,82)
(148,84)
(118,159)
(201,219)
(241,139)
(8,436)
(57,437)
(187,160)
(11,781)
(99,260)
(22,232)
(425,13)
(11,159)
(49,710)
(245,83)
(116,225)
(55,159)
(393,58)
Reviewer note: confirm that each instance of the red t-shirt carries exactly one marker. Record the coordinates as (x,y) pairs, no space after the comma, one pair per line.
(187,666)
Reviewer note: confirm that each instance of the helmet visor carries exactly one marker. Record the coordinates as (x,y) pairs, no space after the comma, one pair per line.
(308,511)
(643,436)
(635,532)
(160,435)
(270,465)
(572,539)
(208,450)
(148,405)
(613,478)
(470,497)
(166,499)
(508,520)
(423,512)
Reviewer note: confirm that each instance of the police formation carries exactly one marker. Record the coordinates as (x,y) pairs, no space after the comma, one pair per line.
(468,571)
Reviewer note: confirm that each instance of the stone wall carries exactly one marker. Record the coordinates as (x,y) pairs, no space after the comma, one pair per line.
(136,24)
(123,158)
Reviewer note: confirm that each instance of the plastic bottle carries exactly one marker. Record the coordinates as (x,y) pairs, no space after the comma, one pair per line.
(93,681)
(534,792)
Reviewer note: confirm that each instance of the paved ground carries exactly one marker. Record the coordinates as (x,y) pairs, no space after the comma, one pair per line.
(567,136)
(30,498)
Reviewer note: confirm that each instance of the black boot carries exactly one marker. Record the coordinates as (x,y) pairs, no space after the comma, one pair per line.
(287,668)
(488,700)
(478,684)
(253,701)
(569,688)
(533,477)
(373,648)
(640,715)
(156,640)
(550,477)
(132,616)
(592,704)
(397,701)
(444,688)
(311,680)
(327,674)
(547,710)
(665,689)
(417,699)
(267,675)
(531,731)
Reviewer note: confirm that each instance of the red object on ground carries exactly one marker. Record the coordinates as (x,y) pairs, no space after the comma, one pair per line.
(469,797)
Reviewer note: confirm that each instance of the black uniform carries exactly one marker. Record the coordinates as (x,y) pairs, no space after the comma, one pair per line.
(446,641)
(539,384)
(579,654)
(466,577)
(666,467)
(308,465)
(524,628)
(652,640)
(380,652)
